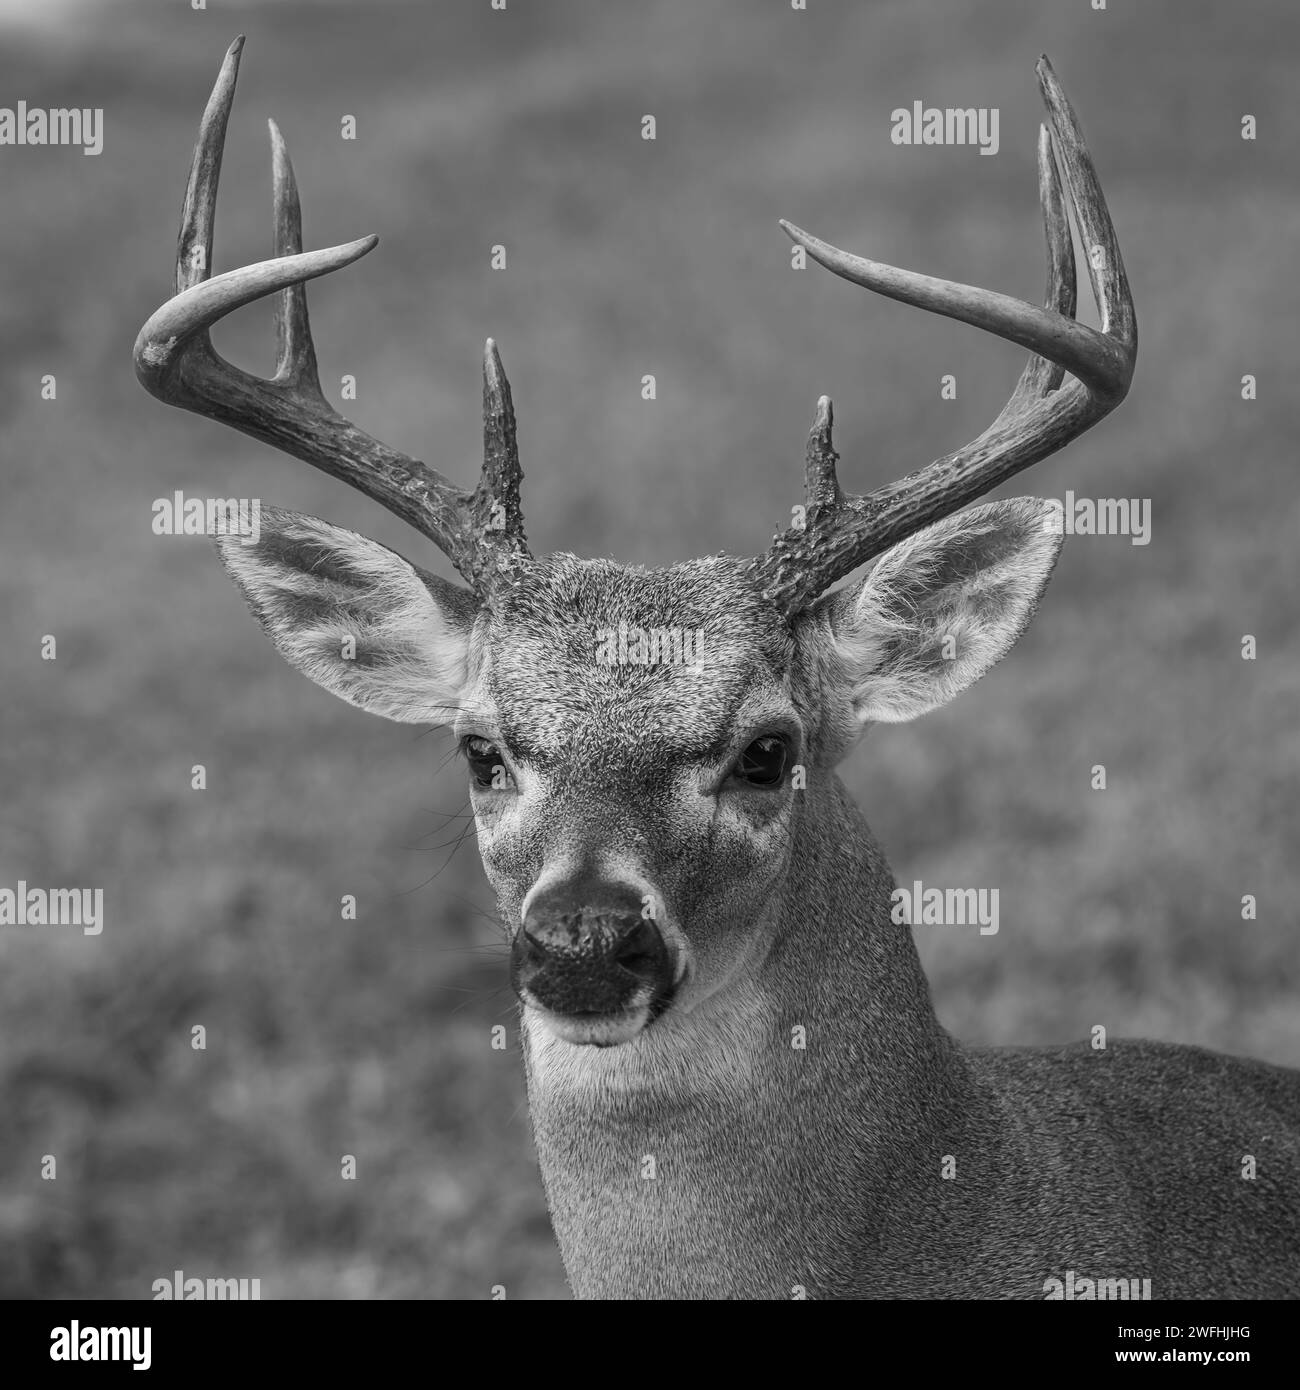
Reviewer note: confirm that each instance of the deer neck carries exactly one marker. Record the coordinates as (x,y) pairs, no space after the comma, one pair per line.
(729,1151)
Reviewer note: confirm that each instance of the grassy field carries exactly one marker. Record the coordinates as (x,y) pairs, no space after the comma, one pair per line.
(371,1037)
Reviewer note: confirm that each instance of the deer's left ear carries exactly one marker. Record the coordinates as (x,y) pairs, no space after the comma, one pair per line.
(941,608)
(355,617)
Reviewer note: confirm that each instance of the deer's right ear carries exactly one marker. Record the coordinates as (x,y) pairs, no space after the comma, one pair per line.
(354,616)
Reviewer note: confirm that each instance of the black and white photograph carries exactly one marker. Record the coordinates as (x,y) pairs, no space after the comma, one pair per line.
(649,651)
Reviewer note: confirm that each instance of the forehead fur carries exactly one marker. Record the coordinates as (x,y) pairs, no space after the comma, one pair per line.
(560,639)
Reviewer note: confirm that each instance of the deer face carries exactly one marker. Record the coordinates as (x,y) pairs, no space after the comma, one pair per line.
(632,739)
(641,743)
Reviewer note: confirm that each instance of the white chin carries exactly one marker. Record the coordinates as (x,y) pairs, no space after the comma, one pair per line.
(595,1030)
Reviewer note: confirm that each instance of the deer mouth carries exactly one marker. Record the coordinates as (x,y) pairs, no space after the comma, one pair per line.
(608,1026)
(596,1029)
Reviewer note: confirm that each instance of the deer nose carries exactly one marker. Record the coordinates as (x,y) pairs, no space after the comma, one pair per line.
(587,948)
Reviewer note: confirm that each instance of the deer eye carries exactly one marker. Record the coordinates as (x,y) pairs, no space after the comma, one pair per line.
(486,765)
(762,764)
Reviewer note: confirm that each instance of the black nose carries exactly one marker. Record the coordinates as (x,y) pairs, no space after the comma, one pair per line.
(586,948)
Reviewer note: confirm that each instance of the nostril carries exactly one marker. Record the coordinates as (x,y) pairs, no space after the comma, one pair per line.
(641,951)
(534,950)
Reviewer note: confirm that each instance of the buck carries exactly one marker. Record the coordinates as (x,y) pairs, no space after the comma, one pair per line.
(737,1082)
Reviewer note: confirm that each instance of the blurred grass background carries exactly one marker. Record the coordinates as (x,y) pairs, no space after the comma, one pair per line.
(372,1037)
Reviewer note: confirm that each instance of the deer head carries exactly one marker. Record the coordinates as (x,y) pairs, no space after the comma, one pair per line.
(644,746)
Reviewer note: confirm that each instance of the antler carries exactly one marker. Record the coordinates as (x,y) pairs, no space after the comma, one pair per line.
(1043,414)
(175,361)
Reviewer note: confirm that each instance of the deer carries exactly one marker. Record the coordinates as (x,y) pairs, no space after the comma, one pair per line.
(737,1082)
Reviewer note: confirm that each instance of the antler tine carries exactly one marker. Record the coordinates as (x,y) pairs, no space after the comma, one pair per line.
(1041,374)
(199,210)
(176,362)
(1044,412)
(820,485)
(498,491)
(295,363)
